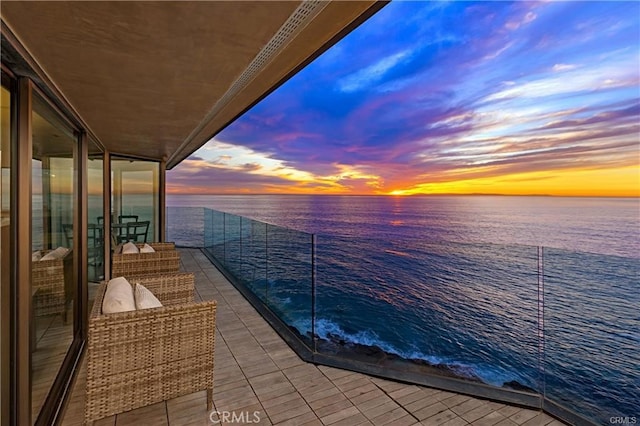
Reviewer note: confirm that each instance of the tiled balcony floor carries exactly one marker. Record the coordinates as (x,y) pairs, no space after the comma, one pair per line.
(256,372)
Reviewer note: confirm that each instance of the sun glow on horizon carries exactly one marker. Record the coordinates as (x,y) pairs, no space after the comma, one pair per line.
(582,183)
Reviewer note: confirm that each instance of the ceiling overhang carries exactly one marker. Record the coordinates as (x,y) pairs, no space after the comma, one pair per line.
(158,79)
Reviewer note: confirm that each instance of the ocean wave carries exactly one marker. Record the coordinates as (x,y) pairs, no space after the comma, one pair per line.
(330,330)
(397,253)
(279,301)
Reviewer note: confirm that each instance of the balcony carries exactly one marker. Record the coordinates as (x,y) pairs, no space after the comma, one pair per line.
(260,379)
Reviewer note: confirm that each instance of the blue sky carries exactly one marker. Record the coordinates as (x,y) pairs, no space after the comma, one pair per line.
(432,97)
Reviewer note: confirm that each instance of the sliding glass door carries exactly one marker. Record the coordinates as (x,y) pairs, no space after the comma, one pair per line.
(6,134)
(53,278)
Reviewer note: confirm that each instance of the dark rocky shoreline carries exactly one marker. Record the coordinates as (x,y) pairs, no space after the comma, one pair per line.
(371,354)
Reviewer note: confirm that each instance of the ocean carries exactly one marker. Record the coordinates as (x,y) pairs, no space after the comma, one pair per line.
(456,281)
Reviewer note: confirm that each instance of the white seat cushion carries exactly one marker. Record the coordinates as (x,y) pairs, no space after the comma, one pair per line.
(130,248)
(145,299)
(118,297)
(146,248)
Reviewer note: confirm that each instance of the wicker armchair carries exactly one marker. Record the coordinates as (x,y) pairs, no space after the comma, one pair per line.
(165,260)
(52,282)
(142,357)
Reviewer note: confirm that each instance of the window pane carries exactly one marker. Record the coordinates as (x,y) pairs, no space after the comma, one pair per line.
(52,276)
(135,185)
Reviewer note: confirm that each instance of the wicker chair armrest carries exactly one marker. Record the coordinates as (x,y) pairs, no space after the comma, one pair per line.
(43,269)
(163,254)
(159,246)
(170,289)
(166,261)
(42,264)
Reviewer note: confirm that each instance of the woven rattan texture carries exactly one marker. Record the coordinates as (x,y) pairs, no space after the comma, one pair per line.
(165,260)
(142,357)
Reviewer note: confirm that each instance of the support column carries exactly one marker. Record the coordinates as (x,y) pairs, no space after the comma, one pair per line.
(106,212)
(162,201)
(80,233)
(21,242)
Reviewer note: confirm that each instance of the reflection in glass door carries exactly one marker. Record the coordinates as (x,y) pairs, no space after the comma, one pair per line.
(134,200)
(95,202)
(53,281)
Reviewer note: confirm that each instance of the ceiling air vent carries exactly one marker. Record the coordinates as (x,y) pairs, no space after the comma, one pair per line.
(296,22)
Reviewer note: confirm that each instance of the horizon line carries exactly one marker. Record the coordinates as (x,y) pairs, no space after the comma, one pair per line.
(479,194)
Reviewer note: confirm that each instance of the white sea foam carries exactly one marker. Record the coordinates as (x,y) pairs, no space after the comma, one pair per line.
(330,330)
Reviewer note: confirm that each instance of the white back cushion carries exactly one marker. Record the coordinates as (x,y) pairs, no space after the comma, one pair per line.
(129,248)
(145,299)
(118,297)
(58,253)
(147,249)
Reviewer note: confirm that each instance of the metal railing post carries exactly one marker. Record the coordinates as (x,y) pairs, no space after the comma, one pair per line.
(313,294)
(541,331)
(266,263)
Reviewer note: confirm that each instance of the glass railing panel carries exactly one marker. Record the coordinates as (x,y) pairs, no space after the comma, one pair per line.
(185,226)
(275,263)
(253,272)
(217,235)
(461,310)
(207,227)
(233,243)
(592,333)
(289,277)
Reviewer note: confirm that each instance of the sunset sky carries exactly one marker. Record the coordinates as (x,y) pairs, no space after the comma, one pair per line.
(448,97)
